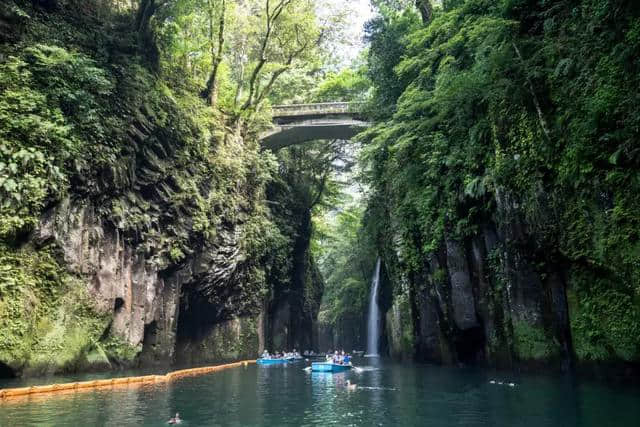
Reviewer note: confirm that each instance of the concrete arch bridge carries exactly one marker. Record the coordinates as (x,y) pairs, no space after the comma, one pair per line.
(298,123)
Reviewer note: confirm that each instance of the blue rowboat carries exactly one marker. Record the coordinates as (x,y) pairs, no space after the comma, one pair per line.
(270,361)
(329,367)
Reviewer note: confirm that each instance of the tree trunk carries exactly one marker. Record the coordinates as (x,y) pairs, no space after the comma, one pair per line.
(271,19)
(211,91)
(426,10)
(145,35)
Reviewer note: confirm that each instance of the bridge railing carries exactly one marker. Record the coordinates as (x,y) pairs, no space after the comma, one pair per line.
(317,109)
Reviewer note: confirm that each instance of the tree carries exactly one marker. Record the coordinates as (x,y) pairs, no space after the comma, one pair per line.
(425,7)
(426,10)
(386,34)
(237,50)
(289,33)
(211,91)
(146,11)
(348,85)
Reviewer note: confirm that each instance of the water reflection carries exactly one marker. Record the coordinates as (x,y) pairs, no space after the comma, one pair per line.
(388,394)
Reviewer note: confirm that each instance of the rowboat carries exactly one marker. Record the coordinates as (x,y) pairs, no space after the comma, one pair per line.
(329,367)
(271,361)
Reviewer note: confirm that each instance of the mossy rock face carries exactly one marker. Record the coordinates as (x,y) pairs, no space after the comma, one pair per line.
(230,340)
(605,320)
(400,329)
(47,319)
(532,343)
(117,351)
(117,169)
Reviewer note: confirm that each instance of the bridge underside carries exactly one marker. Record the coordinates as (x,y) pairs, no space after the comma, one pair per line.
(284,135)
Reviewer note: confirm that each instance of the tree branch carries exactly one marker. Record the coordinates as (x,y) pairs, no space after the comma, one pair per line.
(211,91)
(270,21)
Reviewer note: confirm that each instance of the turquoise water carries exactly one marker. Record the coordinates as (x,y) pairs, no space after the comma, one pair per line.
(388,395)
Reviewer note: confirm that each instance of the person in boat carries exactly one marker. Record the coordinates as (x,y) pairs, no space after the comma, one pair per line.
(336,358)
(346,359)
(175,420)
(265,354)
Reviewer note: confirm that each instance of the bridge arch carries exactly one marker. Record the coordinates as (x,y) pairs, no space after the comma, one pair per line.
(298,123)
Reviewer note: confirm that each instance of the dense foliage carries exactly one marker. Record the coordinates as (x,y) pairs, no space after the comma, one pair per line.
(346,260)
(85,123)
(518,112)
(514,116)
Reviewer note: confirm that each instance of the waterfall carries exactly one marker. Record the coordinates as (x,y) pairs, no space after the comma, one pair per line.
(373,323)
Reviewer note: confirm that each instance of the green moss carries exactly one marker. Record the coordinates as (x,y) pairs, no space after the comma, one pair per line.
(118,350)
(231,340)
(464,148)
(532,342)
(605,320)
(407,336)
(440,276)
(49,113)
(76,120)
(400,327)
(97,357)
(47,319)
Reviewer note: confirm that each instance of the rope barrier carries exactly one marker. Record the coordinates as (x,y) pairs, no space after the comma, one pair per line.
(9,393)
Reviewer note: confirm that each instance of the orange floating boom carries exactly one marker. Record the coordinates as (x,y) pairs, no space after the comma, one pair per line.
(9,393)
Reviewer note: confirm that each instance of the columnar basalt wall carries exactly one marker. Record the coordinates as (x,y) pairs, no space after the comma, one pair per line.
(154,239)
(119,281)
(482,300)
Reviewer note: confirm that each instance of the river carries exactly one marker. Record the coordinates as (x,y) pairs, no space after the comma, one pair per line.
(388,394)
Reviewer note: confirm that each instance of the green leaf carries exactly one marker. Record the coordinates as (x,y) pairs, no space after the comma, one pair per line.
(10,185)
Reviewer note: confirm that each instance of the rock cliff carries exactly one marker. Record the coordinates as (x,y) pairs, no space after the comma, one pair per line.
(144,235)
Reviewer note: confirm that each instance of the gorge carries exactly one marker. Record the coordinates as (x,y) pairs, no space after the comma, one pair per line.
(145,220)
